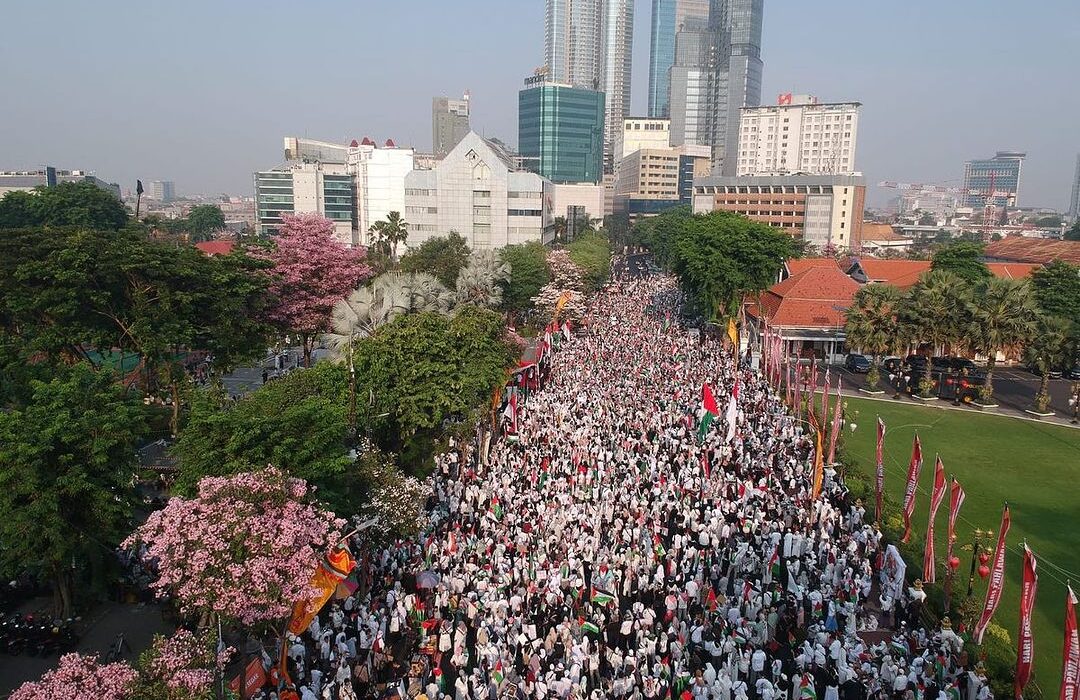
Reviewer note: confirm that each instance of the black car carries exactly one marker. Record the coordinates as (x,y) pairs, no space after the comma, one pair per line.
(892,365)
(962,364)
(916,362)
(857,363)
(1073,373)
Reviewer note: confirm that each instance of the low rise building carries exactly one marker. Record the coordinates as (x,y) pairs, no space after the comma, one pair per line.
(823,210)
(27,180)
(326,189)
(651,180)
(477,191)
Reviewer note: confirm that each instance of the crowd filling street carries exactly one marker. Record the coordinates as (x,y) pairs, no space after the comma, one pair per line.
(610,549)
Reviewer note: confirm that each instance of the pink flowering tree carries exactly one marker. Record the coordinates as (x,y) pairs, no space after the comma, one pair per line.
(243,549)
(182,667)
(81,677)
(312,271)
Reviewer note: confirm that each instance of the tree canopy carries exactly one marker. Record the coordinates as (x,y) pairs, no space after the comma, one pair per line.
(81,204)
(963,259)
(442,256)
(68,458)
(203,220)
(591,251)
(1057,290)
(528,274)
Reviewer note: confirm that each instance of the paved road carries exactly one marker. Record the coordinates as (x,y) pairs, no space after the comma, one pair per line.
(1014,388)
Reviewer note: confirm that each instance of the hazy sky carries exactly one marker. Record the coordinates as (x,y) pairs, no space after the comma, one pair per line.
(201,92)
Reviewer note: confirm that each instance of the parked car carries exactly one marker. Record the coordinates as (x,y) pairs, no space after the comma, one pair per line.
(858,364)
(1073,373)
(892,365)
(962,364)
(916,362)
(941,363)
(1054,374)
(949,386)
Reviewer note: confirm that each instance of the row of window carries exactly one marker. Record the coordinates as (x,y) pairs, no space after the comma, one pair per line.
(523,212)
(421,210)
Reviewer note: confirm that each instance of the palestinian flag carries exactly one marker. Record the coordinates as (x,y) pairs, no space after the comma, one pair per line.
(710,600)
(709,408)
(601,597)
(732,411)
(774,560)
(496,508)
(497,674)
(587,626)
(806,689)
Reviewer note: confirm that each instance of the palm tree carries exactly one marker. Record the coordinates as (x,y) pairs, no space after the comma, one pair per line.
(871,324)
(934,312)
(560,227)
(1047,349)
(1002,315)
(479,281)
(390,233)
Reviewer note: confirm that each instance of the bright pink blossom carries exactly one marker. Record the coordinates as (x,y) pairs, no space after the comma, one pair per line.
(244,548)
(80,677)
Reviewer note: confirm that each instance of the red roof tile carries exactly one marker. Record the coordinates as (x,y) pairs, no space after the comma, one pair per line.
(1034,250)
(797,265)
(813,298)
(215,247)
(898,273)
(1012,271)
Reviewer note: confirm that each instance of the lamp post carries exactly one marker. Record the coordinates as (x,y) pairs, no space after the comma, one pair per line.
(977,538)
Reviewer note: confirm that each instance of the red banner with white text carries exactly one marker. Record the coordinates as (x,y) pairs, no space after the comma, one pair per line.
(1025,644)
(1070,664)
(997,579)
(936,497)
(913,470)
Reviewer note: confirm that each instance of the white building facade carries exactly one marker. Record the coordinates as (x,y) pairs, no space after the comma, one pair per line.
(641,132)
(798,135)
(477,191)
(379,176)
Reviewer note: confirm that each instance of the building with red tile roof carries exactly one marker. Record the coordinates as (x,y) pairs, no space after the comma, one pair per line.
(905,273)
(1039,251)
(216,247)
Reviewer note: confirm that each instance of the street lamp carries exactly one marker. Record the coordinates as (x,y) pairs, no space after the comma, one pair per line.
(977,538)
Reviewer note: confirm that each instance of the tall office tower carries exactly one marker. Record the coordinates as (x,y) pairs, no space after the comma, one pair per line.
(668,18)
(561,130)
(798,135)
(449,123)
(162,190)
(993,181)
(1074,200)
(589,44)
(717,72)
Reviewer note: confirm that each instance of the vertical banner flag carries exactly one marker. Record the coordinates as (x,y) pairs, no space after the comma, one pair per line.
(825,398)
(936,497)
(997,579)
(334,569)
(787,378)
(709,410)
(733,334)
(913,470)
(732,411)
(1070,664)
(956,499)
(879,477)
(1025,645)
(838,412)
(819,459)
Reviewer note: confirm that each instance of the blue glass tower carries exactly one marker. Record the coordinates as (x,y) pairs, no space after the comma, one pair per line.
(661,55)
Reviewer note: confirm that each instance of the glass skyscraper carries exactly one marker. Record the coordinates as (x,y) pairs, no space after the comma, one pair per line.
(561,131)
(668,18)
(993,181)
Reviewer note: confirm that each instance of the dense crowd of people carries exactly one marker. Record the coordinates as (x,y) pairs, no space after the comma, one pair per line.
(607,550)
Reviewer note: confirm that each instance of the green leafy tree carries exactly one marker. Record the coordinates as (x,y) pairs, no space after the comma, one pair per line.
(1047,350)
(81,204)
(1002,316)
(872,323)
(962,259)
(934,313)
(297,423)
(425,368)
(203,220)
(1073,234)
(528,274)
(1057,290)
(18,209)
(442,256)
(68,461)
(389,233)
(591,251)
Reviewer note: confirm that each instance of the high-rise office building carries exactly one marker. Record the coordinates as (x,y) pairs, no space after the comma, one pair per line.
(668,18)
(449,123)
(993,181)
(163,190)
(561,130)
(798,135)
(326,189)
(589,44)
(1074,200)
(717,72)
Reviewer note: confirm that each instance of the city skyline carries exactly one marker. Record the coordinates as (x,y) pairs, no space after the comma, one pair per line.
(119,95)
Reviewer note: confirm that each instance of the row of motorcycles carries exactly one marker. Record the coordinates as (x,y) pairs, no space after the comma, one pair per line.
(37,636)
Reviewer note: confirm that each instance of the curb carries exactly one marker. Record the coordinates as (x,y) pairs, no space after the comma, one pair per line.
(945,406)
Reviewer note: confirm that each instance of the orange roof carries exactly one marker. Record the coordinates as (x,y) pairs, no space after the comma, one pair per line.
(797,265)
(813,298)
(880,232)
(215,247)
(1034,250)
(898,273)
(1012,271)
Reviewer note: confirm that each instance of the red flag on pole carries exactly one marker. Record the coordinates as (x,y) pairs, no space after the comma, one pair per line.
(837,417)
(997,579)
(1070,665)
(819,461)
(956,499)
(1025,645)
(936,496)
(825,398)
(914,468)
(879,481)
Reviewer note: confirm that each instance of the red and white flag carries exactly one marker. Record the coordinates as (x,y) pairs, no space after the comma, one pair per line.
(914,468)
(732,411)
(956,499)
(838,412)
(936,497)
(1025,645)
(997,579)
(825,399)
(1070,664)
(511,411)
(879,480)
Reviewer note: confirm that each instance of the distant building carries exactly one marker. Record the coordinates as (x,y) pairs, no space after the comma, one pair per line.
(651,180)
(567,199)
(1033,250)
(561,130)
(1074,199)
(27,180)
(823,210)
(668,18)
(798,135)
(641,132)
(307,150)
(163,190)
(449,123)
(993,181)
(477,191)
(379,179)
(326,189)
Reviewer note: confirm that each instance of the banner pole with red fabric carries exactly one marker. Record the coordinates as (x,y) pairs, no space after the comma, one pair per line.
(1070,661)
(838,416)
(997,579)
(879,480)
(914,468)
(937,495)
(1025,645)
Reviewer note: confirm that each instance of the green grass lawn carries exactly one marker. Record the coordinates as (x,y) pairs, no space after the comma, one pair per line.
(1036,467)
